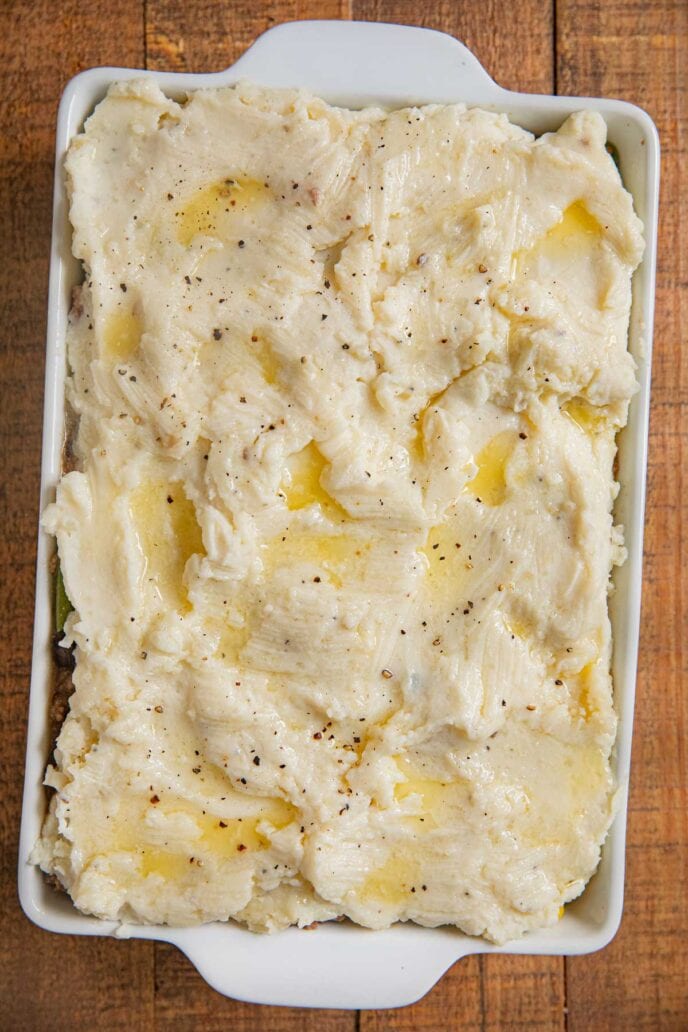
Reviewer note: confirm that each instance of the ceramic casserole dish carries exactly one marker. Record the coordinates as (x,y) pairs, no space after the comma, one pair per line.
(352,64)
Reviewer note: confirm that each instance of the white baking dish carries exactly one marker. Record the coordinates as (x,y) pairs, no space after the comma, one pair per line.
(339,965)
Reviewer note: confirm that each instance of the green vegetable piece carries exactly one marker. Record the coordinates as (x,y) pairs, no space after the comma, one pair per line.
(63,606)
(614,154)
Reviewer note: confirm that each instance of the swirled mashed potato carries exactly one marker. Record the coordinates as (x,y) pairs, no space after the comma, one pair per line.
(340,537)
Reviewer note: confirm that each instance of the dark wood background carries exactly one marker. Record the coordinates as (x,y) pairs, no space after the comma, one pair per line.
(635,49)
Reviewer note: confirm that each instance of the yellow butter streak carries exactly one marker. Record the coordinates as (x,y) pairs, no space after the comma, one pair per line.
(338,555)
(225,837)
(575,234)
(586,417)
(583,682)
(448,563)
(211,211)
(218,358)
(264,355)
(576,227)
(170,866)
(391,883)
(122,335)
(165,522)
(489,483)
(436,797)
(519,628)
(304,485)
(582,777)
(586,774)
(442,549)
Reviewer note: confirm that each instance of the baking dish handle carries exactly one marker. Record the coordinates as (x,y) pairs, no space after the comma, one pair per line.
(394,61)
(332,966)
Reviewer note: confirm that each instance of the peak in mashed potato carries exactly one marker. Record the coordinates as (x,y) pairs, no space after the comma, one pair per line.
(340,535)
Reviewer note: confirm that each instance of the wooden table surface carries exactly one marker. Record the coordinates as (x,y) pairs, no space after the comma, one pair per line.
(635,49)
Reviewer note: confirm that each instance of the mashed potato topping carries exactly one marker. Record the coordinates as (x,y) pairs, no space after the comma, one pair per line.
(340,537)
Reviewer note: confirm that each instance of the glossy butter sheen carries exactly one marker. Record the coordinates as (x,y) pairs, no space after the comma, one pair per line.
(374,632)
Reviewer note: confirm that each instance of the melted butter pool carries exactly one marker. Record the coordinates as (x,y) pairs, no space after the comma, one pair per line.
(167,865)
(446,562)
(165,523)
(569,256)
(231,836)
(338,555)
(575,235)
(586,417)
(436,797)
(225,837)
(582,685)
(576,228)
(212,211)
(122,335)
(489,483)
(391,883)
(263,354)
(304,487)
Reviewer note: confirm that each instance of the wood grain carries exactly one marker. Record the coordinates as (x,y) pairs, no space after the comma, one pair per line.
(490,28)
(207,36)
(455,1003)
(49,981)
(639,52)
(617,47)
